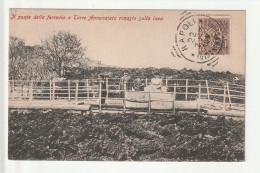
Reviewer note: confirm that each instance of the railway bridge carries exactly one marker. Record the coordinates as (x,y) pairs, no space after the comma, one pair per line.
(113,94)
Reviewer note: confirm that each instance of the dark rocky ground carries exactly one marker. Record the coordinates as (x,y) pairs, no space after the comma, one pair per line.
(63,135)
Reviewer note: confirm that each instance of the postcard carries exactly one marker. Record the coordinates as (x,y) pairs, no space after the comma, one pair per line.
(126,85)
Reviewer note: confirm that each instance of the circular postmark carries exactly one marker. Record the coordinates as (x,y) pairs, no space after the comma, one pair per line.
(198,38)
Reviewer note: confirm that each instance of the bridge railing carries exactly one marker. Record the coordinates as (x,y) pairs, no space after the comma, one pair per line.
(113,92)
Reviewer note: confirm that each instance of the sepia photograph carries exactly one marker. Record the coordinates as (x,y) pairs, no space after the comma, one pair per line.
(126,85)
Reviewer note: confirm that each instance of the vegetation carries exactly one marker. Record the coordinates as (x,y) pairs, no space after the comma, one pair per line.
(116,72)
(61,51)
(46,61)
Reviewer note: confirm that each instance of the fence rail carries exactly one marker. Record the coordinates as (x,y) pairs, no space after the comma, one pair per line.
(108,92)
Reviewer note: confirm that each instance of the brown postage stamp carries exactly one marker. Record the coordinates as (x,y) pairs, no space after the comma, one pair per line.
(214,36)
(203,37)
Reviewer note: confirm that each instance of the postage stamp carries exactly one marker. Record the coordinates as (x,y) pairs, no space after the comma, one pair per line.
(201,38)
(214,36)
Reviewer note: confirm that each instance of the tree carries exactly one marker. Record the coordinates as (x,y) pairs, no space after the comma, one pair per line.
(33,66)
(26,62)
(61,51)
(16,58)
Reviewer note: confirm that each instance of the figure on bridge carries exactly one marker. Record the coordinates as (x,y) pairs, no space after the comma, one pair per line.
(126,79)
(156,85)
(138,85)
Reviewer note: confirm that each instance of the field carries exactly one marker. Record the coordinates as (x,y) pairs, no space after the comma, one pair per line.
(66,135)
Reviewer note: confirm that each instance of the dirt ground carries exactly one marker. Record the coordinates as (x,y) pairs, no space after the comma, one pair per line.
(63,135)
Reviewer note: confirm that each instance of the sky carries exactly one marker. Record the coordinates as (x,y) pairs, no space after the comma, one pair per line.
(125,43)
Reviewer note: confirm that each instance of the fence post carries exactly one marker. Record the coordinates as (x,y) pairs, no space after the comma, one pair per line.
(53,90)
(146,81)
(174,98)
(100,90)
(199,90)
(31,90)
(166,81)
(124,101)
(13,89)
(207,85)
(107,88)
(186,93)
(229,97)
(9,89)
(69,89)
(199,98)
(87,89)
(50,89)
(77,90)
(149,102)
(224,98)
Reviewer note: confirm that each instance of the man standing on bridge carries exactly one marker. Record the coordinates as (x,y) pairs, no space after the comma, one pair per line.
(126,79)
